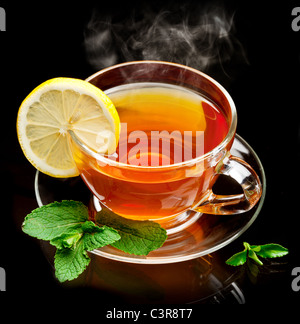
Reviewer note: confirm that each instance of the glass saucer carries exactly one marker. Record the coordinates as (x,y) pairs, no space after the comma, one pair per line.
(208,234)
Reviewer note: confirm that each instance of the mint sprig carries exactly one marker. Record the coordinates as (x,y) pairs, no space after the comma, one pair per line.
(255,251)
(71,261)
(137,237)
(66,226)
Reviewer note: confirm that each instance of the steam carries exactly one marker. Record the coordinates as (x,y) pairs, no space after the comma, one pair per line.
(200,39)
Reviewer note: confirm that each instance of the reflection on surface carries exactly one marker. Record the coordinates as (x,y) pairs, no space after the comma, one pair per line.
(195,281)
(205,280)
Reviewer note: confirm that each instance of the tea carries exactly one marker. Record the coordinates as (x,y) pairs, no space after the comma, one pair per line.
(164,124)
(161,125)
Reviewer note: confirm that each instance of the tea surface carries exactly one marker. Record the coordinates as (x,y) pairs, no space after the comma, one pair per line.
(165,124)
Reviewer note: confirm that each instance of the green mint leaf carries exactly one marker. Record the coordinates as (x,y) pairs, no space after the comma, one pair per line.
(100,237)
(270,250)
(89,227)
(94,237)
(253,251)
(237,259)
(253,256)
(66,240)
(255,248)
(247,246)
(70,263)
(55,219)
(137,237)
(67,227)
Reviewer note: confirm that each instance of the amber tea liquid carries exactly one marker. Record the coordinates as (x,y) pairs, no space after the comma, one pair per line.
(161,125)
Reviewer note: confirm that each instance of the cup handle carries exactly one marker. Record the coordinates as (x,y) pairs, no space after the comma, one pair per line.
(243,173)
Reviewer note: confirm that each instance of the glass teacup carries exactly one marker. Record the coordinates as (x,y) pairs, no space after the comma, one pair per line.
(141,182)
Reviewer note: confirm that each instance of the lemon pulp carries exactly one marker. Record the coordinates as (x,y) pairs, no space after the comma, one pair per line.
(59,105)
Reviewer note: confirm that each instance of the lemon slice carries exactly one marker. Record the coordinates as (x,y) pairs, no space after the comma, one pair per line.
(57,106)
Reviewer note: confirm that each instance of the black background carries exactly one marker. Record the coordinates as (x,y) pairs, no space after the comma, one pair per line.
(45,40)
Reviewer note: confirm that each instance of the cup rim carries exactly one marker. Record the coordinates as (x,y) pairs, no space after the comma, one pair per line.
(211,153)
